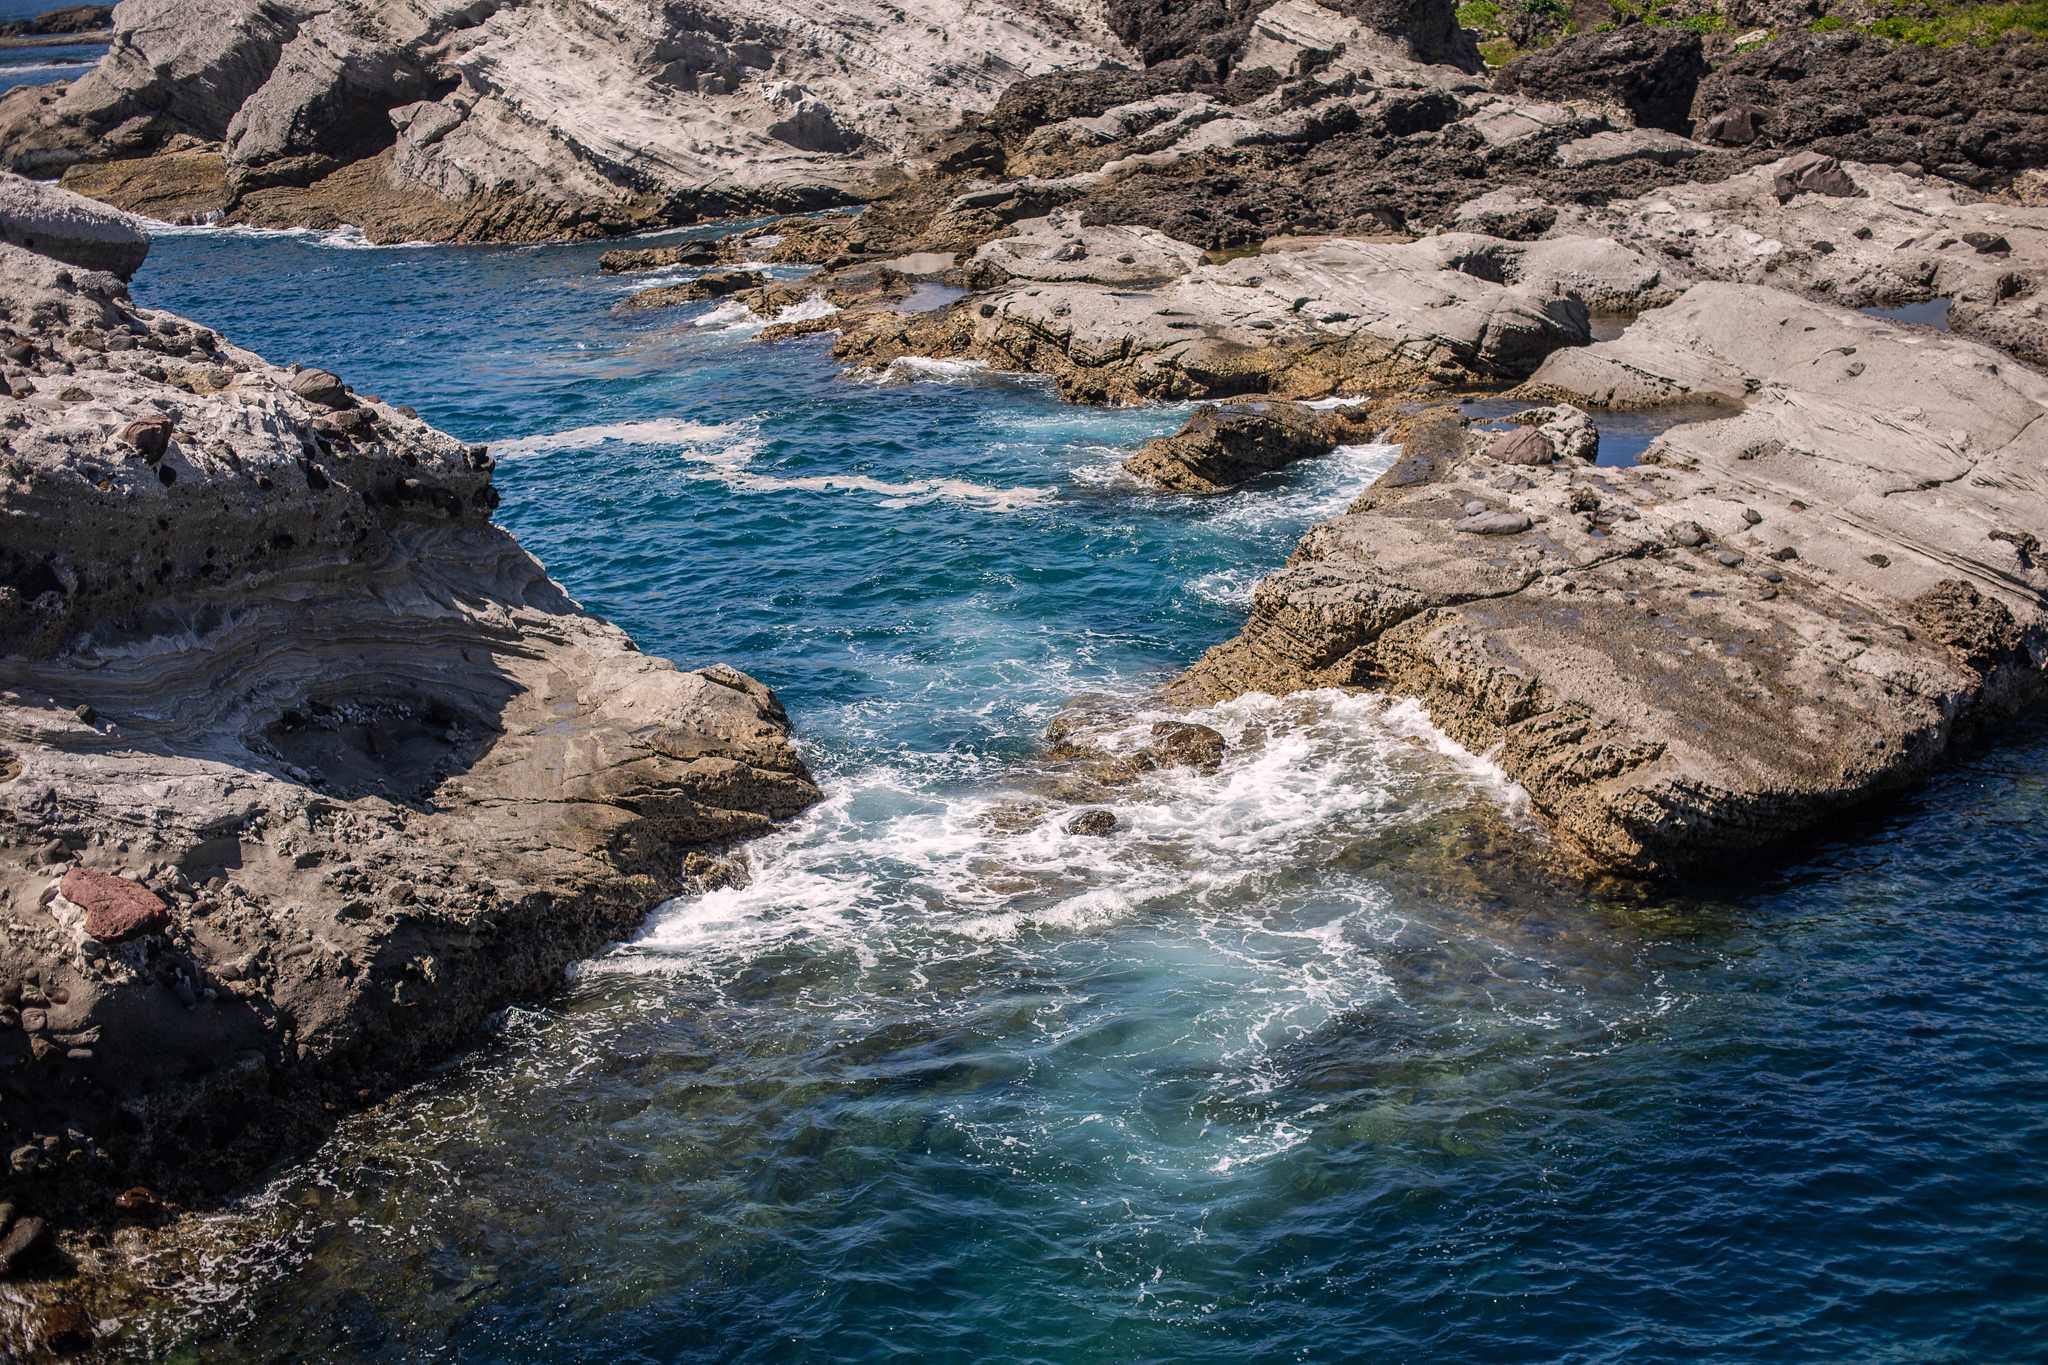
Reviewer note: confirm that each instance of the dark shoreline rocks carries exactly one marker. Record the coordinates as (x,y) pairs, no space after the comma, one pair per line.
(306,768)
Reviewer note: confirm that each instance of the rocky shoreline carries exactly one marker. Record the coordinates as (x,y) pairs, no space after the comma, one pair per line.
(306,768)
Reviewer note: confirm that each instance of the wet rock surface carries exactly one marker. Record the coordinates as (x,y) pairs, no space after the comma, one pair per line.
(1223,446)
(305,766)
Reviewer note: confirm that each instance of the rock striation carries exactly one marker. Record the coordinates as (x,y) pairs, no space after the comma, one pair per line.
(306,767)
(1775,617)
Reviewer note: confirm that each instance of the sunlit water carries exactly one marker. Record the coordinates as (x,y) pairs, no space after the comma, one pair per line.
(1311,1060)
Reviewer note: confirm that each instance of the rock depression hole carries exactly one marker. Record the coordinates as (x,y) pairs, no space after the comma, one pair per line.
(386,746)
(1930,313)
(1624,436)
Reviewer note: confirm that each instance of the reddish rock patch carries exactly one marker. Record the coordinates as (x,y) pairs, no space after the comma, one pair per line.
(116,909)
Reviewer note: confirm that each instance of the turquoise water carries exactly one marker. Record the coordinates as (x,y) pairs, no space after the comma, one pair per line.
(1309,1061)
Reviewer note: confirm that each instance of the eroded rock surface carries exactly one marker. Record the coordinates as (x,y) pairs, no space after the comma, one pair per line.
(305,766)
(1777,616)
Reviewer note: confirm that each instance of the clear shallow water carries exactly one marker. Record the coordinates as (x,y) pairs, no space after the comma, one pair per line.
(1309,1062)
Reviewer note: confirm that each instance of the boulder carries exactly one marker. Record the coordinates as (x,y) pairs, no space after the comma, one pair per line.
(1738,125)
(55,222)
(1811,173)
(116,909)
(323,388)
(1223,446)
(1524,445)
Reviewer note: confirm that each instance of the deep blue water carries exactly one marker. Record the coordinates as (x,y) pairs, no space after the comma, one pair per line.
(40,65)
(1308,1062)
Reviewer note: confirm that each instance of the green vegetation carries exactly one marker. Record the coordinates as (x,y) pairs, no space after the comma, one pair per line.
(1480,14)
(1983,25)
(1827,24)
(1707,23)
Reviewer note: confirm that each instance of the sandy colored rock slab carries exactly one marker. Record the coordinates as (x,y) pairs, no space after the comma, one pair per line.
(1778,617)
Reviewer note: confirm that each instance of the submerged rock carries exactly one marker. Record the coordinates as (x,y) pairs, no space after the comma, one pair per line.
(1223,446)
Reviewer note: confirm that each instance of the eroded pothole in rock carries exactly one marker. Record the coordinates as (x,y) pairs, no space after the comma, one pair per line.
(400,747)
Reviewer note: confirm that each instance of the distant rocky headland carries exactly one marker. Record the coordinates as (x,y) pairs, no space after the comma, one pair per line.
(291,730)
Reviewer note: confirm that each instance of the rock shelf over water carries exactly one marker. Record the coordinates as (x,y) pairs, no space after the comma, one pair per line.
(305,766)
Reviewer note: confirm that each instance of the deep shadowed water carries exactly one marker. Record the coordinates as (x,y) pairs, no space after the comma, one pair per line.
(1306,1063)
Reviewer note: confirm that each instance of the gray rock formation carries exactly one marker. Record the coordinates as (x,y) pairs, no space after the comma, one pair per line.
(1650,73)
(305,766)
(533,119)
(1302,319)
(1898,238)
(45,219)
(1776,617)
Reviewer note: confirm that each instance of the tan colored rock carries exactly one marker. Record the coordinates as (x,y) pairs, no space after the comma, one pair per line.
(1777,617)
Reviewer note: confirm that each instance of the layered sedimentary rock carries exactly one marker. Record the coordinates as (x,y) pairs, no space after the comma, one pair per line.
(537,119)
(305,766)
(1304,318)
(1776,616)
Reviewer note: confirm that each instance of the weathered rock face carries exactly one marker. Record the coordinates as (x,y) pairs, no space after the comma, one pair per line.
(1302,319)
(532,119)
(1650,72)
(1778,616)
(1894,238)
(305,766)
(46,220)
(1968,113)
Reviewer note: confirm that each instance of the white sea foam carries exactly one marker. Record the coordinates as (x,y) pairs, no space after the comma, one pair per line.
(698,439)
(815,305)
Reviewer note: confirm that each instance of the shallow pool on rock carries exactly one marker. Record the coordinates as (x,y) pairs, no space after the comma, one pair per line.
(1309,1060)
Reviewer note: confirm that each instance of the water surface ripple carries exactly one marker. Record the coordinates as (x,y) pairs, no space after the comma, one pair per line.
(1307,1062)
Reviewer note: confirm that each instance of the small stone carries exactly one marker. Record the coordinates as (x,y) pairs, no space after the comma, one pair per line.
(1752,516)
(34,1021)
(78,1054)
(1494,524)
(1523,445)
(21,1238)
(1811,172)
(116,909)
(86,714)
(25,1158)
(136,1200)
(53,852)
(1767,594)
(1986,243)
(1785,554)
(1771,576)
(1474,508)
(42,1049)
(1729,557)
(1882,561)
(1095,822)
(74,394)
(151,437)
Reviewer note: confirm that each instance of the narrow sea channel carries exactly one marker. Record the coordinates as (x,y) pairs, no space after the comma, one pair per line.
(1308,1062)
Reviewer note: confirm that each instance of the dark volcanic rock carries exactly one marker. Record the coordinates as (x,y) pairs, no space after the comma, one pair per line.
(1968,113)
(1093,822)
(1812,173)
(1222,446)
(1653,71)
(626,260)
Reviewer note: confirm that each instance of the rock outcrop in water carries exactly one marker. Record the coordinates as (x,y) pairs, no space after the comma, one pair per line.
(305,766)
(1776,616)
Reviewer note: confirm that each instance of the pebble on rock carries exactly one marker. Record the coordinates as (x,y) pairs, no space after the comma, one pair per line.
(1729,557)
(1494,524)
(1524,445)
(116,909)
